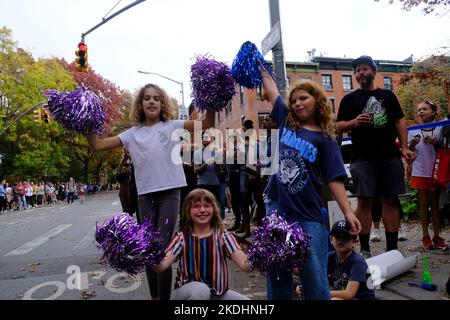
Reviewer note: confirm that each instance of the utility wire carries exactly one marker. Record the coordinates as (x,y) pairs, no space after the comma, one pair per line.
(112,9)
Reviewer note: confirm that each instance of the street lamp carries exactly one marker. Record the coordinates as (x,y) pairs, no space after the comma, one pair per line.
(182,107)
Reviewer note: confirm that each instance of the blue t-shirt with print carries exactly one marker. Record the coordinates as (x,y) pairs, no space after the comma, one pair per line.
(354,268)
(304,157)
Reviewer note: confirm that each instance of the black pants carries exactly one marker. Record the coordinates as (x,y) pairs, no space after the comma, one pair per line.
(162,208)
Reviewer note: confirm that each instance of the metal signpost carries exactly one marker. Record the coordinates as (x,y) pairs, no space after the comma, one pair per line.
(274,41)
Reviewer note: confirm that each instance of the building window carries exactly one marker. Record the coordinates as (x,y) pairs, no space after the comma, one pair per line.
(387,83)
(332,104)
(326,82)
(347,82)
(241,95)
(228,109)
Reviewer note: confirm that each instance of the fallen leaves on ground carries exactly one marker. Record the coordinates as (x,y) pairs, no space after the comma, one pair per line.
(87,294)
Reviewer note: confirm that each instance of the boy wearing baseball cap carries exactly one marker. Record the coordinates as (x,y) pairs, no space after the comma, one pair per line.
(347,270)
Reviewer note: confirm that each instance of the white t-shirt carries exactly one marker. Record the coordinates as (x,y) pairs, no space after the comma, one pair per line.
(425,152)
(151,150)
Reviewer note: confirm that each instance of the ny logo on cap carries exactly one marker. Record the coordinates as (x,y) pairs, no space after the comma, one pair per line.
(341,224)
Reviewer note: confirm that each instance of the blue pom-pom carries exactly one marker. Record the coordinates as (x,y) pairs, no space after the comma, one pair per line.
(245,68)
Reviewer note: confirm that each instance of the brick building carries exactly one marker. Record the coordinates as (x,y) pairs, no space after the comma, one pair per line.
(335,75)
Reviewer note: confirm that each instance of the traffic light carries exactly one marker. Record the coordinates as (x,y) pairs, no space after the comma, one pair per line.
(82,60)
(46,116)
(37,116)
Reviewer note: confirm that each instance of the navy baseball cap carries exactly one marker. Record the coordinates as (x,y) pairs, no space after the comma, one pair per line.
(364,60)
(342,227)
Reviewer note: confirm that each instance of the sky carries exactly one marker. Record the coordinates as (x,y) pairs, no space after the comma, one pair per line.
(165,36)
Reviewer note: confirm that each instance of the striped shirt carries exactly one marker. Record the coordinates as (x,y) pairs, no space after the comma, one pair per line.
(204,259)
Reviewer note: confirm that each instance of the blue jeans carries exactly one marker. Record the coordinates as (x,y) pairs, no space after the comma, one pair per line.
(313,272)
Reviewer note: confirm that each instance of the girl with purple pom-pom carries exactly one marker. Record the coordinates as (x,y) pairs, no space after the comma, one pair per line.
(307,154)
(202,248)
(159,176)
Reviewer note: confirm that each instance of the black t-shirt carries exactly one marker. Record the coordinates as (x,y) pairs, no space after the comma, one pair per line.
(354,268)
(378,141)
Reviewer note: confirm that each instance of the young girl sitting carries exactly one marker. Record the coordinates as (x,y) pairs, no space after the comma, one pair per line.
(202,248)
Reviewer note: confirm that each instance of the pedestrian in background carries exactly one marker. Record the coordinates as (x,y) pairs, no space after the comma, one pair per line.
(159,176)
(375,119)
(306,153)
(71,188)
(424,142)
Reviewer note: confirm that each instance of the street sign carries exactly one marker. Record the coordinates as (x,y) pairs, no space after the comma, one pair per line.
(183,113)
(272,38)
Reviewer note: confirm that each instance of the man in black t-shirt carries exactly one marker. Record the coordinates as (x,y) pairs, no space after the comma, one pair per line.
(376,120)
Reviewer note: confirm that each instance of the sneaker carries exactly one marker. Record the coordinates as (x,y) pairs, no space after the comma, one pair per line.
(375,235)
(440,243)
(401,234)
(426,242)
(365,254)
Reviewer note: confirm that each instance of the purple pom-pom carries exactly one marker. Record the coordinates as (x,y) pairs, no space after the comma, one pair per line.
(79,110)
(212,84)
(245,68)
(128,246)
(277,245)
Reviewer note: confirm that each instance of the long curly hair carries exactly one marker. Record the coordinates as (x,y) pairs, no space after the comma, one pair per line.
(323,114)
(137,115)
(197,195)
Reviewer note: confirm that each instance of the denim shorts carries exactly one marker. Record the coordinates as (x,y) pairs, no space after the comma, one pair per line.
(313,272)
(384,177)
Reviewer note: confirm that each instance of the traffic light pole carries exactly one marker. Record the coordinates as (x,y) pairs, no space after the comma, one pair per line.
(23,115)
(109,18)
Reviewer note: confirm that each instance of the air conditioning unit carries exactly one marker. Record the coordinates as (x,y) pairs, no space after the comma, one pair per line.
(328,87)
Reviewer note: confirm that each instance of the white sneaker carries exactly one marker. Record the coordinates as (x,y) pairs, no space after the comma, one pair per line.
(401,234)
(375,235)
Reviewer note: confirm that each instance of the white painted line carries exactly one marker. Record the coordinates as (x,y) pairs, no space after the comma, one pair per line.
(86,241)
(27,247)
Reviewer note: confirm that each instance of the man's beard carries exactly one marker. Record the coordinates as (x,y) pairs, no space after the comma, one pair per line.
(367,81)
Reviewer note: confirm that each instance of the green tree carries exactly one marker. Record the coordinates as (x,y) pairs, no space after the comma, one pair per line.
(31,150)
(428,79)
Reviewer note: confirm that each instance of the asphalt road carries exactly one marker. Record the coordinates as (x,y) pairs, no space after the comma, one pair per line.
(50,253)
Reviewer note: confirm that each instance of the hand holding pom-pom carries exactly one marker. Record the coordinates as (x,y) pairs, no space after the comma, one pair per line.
(79,110)
(212,84)
(128,246)
(278,246)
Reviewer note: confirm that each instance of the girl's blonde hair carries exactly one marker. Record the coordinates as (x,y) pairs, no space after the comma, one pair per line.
(323,115)
(194,196)
(137,115)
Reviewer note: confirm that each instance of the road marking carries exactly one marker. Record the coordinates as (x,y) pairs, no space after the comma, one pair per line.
(87,240)
(116,203)
(29,246)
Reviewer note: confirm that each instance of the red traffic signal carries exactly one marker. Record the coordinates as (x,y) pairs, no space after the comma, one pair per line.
(81,53)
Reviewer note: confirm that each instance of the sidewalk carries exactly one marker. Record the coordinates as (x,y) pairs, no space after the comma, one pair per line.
(253,285)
